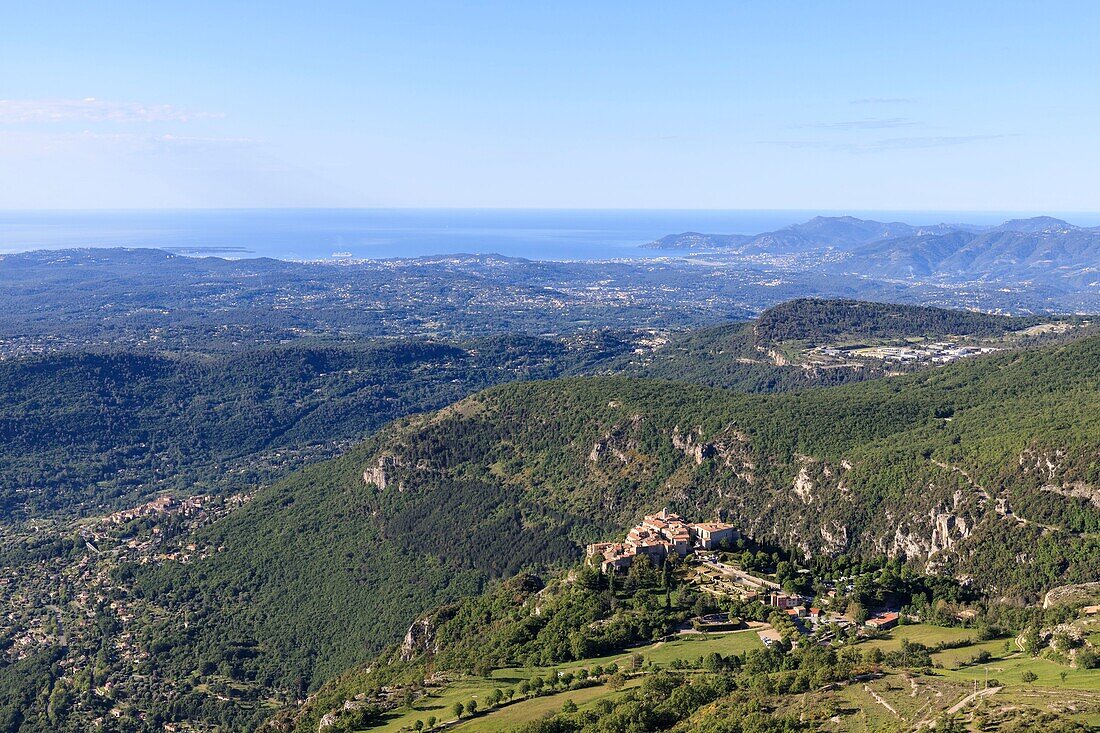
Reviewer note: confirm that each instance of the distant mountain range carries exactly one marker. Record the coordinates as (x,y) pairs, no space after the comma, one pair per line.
(1021,249)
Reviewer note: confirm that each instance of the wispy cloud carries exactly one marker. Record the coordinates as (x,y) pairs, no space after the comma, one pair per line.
(882,100)
(39,143)
(90,109)
(867,123)
(162,140)
(939,141)
(888,144)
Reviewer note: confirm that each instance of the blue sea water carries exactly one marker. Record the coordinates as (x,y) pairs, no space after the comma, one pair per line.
(322,234)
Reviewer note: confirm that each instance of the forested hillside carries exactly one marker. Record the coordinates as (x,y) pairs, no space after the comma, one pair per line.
(983,469)
(753,356)
(818,320)
(86,431)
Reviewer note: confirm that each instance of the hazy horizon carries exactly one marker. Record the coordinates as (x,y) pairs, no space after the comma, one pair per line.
(310,234)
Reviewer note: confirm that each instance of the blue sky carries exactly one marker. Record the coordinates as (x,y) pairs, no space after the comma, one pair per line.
(731,105)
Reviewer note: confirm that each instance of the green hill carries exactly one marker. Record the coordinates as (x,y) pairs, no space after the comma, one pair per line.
(811,319)
(89,430)
(771,352)
(982,469)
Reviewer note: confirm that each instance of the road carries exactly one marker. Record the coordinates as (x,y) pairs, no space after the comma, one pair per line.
(985,692)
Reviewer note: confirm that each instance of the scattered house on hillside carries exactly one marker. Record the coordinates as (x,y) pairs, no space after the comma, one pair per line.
(815,615)
(883,621)
(658,537)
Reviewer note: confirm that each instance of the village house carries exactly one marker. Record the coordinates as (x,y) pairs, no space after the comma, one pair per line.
(658,537)
(783,601)
(711,535)
(882,621)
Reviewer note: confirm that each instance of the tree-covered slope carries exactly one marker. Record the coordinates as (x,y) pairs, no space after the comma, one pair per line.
(88,430)
(811,319)
(744,356)
(982,469)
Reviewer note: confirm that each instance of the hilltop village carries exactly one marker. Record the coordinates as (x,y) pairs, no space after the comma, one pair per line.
(665,535)
(658,537)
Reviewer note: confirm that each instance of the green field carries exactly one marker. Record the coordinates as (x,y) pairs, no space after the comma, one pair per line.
(911,697)
(921,633)
(1008,671)
(441,701)
(509,716)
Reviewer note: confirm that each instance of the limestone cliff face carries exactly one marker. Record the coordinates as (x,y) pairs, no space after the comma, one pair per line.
(421,636)
(731,447)
(620,442)
(380,474)
(815,509)
(1060,476)
(690,443)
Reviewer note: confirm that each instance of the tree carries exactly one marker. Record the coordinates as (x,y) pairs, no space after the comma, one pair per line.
(1062,676)
(458,708)
(641,574)
(60,701)
(471,707)
(589,578)
(418,726)
(524,688)
(1029,677)
(495,697)
(616,681)
(1063,641)
(569,706)
(432,720)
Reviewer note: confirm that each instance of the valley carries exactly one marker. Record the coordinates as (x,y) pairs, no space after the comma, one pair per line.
(252,598)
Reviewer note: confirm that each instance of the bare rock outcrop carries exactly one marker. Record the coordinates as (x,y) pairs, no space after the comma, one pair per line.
(620,441)
(380,474)
(421,636)
(692,445)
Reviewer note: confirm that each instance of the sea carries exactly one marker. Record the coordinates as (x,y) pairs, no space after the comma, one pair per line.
(342,234)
